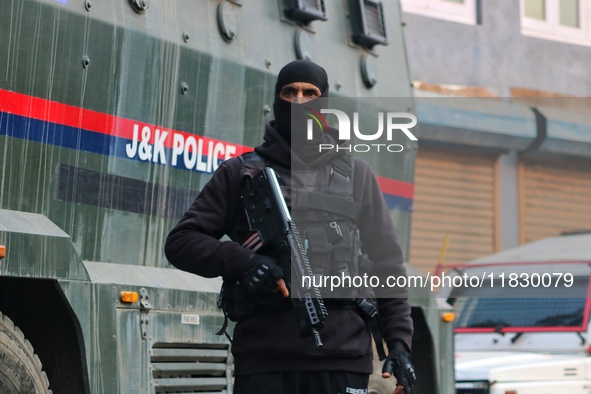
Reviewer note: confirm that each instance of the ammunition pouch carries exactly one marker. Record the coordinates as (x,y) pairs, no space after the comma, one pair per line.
(236,301)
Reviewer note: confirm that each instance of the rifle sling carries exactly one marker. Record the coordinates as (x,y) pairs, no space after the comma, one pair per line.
(373,322)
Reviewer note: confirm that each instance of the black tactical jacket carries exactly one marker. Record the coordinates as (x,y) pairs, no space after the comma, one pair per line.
(268,341)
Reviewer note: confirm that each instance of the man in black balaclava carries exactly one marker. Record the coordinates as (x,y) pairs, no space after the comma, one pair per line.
(270,357)
(298,82)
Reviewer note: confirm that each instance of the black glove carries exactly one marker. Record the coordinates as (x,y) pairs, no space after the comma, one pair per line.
(398,364)
(262,274)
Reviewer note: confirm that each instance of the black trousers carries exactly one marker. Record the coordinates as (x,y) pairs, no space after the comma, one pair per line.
(325,382)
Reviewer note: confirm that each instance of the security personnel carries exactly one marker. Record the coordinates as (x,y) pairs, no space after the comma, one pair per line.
(269,355)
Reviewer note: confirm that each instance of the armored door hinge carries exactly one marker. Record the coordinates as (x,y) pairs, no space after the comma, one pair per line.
(145,307)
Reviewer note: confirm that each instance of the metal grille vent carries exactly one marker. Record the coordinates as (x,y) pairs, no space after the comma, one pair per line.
(368,23)
(374,19)
(199,369)
(314,4)
(305,11)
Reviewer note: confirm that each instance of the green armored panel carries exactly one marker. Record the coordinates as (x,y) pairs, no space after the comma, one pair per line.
(37,248)
(102,107)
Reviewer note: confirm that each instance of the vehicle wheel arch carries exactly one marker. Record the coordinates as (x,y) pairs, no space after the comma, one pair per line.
(39,309)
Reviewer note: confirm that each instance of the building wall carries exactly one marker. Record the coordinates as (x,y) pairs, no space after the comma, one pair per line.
(524,193)
(494,53)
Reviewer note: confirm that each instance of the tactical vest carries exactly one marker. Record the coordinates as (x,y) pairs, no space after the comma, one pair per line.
(322,206)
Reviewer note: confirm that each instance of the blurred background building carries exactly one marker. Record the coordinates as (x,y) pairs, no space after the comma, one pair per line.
(511,163)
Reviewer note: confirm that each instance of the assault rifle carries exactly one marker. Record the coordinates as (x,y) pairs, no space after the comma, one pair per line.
(276,235)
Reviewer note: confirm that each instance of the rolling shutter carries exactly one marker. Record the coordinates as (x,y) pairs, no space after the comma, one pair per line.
(454,196)
(555,198)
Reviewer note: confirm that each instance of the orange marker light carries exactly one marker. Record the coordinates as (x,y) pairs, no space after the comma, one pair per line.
(129,296)
(448,317)
(2,251)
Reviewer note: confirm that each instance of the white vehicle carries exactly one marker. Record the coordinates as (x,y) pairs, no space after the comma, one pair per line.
(522,319)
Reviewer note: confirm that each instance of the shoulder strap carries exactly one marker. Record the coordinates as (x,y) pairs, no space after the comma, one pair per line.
(252,163)
(250,156)
(340,176)
(339,196)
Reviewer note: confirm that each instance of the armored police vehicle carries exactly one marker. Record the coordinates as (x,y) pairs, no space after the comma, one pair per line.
(113,115)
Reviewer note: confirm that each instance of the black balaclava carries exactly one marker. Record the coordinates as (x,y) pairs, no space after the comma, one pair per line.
(296,71)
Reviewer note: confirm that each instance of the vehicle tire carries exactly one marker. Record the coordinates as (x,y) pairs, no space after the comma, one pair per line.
(20,368)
